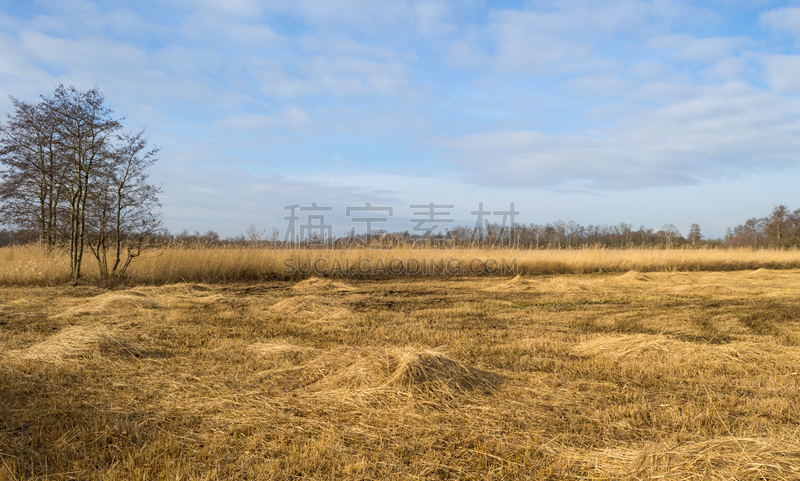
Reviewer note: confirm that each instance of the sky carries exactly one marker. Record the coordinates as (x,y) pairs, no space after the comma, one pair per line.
(645,112)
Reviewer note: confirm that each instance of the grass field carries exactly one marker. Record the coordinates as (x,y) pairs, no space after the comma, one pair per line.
(635,375)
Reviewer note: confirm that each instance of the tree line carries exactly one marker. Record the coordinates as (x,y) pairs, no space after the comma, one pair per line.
(73,177)
(780,229)
(556,235)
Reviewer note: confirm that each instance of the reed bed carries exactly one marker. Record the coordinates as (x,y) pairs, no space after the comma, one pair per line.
(29,265)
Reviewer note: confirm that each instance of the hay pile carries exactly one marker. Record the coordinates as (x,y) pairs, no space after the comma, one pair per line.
(110,303)
(413,371)
(722,458)
(310,306)
(282,352)
(317,285)
(762,274)
(175,295)
(558,285)
(650,347)
(554,285)
(729,458)
(702,290)
(516,284)
(73,343)
(182,288)
(636,276)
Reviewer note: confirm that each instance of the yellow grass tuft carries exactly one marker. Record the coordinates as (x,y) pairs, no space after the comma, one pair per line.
(518,283)
(618,346)
(556,284)
(317,285)
(310,306)
(762,274)
(72,343)
(432,371)
(389,370)
(281,349)
(636,276)
(110,303)
(182,288)
(647,347)
(721,458)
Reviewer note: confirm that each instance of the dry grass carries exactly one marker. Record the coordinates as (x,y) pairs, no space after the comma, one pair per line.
(723,458)
(317,285)
(310,307)
(28,265)
(351,371)
(658,348)
(73,343)
(625,375)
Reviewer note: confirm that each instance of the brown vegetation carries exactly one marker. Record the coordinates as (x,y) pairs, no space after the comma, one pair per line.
(627,375)
(29,265)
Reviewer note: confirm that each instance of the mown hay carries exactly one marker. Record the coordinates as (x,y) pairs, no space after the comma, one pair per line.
(518,283)
(647,346)
(76,342)
(282,350)
(702,290)
(635,276)
(762,274)
(110,303)
(310,306)
(722,458)
(408,370)
(554,285)
(317,285)
(515,282)
(560,284)
(176,289)
(174,295)
(431,370)
(628,345)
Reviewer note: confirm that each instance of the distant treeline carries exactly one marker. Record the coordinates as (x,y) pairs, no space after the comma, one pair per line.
(781,229)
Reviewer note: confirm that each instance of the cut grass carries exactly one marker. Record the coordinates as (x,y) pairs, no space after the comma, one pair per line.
(538,377)
(73,344)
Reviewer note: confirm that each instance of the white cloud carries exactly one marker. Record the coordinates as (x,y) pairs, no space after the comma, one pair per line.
(782,72)
(782,19)
(705,136)
(656,100)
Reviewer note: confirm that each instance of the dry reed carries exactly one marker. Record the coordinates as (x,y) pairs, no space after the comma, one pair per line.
(29,265)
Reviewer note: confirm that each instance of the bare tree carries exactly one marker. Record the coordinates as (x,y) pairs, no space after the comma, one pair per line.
(70,174)
(33,179)
(694,234)
(122,212)
(776,225)
(671,234)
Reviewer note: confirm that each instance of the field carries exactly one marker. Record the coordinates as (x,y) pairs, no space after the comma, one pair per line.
(632,375)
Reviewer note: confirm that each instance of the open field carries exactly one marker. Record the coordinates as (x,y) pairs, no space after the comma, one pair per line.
(677,375)
(29,265)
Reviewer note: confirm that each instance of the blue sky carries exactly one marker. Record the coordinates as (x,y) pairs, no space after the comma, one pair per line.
(599,112)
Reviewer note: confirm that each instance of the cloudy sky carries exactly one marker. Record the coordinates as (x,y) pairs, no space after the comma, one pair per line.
(645,112)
